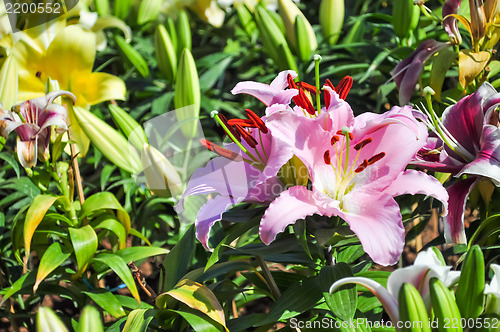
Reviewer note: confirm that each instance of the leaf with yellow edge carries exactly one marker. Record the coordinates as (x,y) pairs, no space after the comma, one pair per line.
(41,204)
(8,82)
(84,242)
(470,65)
(53,257)
(440,66)
(195,296)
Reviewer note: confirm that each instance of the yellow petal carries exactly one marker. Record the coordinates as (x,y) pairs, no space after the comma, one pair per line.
(209,11)
(470,64)
(94,88)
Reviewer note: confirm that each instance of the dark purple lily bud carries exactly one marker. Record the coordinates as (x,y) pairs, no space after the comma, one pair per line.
(450,23)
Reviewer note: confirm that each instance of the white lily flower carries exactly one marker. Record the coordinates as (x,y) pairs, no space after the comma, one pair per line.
(493,291)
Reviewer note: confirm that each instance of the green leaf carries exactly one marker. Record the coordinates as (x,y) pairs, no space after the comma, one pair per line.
(118,265)
(51,259)
(90,320)
(103,201)
(107,301)
(132,55)
(24,282)
(133,254)
(342,302)
(41,204)
(440,66)
(85,244)
(199,322)
(196,296)
(470,289)
(178,259)
(138,320)
(138,234)
(114,226)
(47,321)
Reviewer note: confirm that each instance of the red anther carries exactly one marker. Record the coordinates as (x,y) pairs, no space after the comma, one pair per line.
(344,87)
(335,139)
(351,136)
(291,83)
(258,121)
(328,96)
(307,86)
(339,132)
(305,103)
(376,158)
(242,122)
(246,136)
(329,83)
(221,151)
(229,128)
(326,156)
(363,143)
(362,166)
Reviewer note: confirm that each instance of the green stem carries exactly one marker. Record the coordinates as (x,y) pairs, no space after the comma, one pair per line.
(269,278)
(317,60)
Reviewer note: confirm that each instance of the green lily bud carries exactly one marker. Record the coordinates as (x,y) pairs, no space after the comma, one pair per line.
(290,13)
(47,320)
(148,11)
(165,53)
(133,56)
(187,94)
(412,310)
(102,7)
(274,40)
(405,17)
(110,142)
(8,82)
(129,127)
(246,18)
(161,177)
(172,31)
(331,19)
(470,289)
(305,46)
(183,32)
(444,306)
(122,8)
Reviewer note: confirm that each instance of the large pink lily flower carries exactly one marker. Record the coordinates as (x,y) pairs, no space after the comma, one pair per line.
(238,176)
(427,265)
(467,143)
(356,169)
(32,120)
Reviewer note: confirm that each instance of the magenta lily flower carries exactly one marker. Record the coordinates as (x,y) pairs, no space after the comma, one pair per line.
(32,121)
(408,71)
(356,169)
(427,265)
(467,142)
(246,172)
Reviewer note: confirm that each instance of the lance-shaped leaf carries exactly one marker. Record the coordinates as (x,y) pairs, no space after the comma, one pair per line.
(110,142)
(183,30)
(343,301)
(106,200)
(195,296)
(133,56)
(52,258)
(47,321)
(444,305)
(138,320)
(440,66)
(412,309)
(107,301)
(85,244)
(470,289)
(331,19)
(165,53)
(90,320)
(129,127)
(148,11)
(8,82)
(187,99)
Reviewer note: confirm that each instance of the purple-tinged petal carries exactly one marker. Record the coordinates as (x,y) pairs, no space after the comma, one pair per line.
(27,131)
(208,215)
(27,152)
(53,115)
(487,162)
(388,301)
(454,223)
(376,220)
(408,71)
(8,122)
(415,182)
(450,23)
(294,204)
(281,81)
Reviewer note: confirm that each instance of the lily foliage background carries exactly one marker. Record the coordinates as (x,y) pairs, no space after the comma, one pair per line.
(350,170)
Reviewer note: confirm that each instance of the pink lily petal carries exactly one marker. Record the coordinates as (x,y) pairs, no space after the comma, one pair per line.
(27,152)
(487,162)
(454,223)
(208,215)
(281,81)
(387,299)
(54,115)
(415,182)
(376,220)
(294,204)
(450,23)
(27,131)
